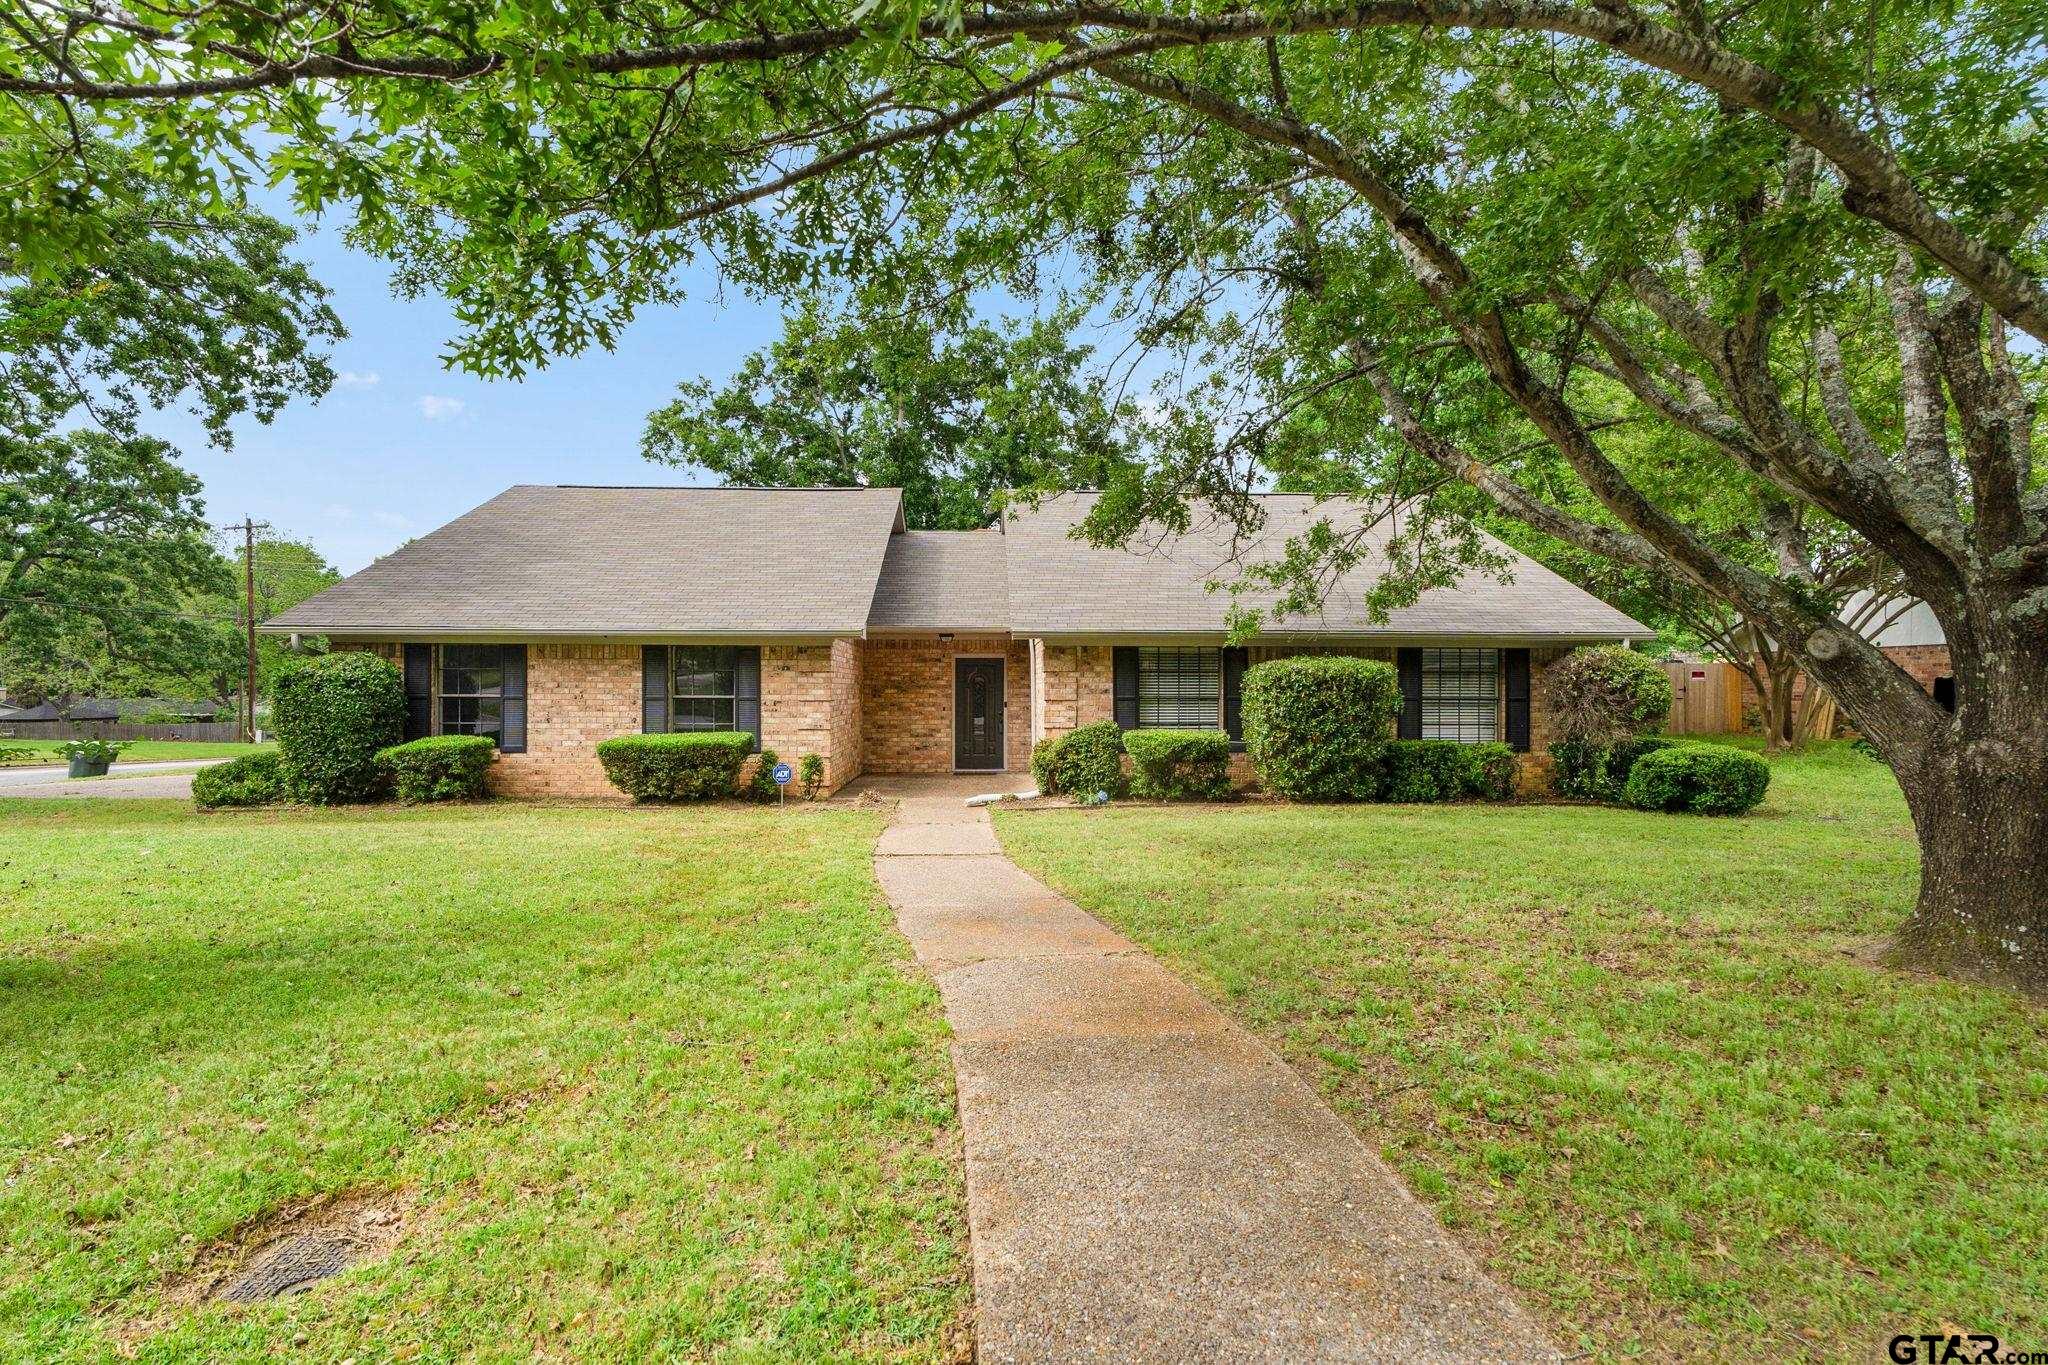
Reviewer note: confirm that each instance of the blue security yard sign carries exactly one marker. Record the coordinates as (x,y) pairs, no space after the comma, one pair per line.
(783,774)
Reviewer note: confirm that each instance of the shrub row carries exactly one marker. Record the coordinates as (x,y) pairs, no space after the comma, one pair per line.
(1599,772)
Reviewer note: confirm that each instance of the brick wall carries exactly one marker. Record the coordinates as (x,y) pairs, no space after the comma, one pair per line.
(580,694)
(576,696)
(907,701)
(1924,662)
(1079,684)
(809,698)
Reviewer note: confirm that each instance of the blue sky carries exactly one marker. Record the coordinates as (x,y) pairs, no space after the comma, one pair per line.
(403,444)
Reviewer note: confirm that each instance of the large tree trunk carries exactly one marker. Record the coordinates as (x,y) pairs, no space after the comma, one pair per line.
(1981,812)
(1977,785)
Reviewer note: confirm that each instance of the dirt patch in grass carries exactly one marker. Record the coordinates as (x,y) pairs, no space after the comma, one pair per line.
(286,1250)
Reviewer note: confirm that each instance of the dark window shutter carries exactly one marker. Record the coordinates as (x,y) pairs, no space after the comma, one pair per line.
(1410,666)
(1124,661)
(419,691)
(1233,694)
(746,686)
(1514,668)
(653,689)
(512,700)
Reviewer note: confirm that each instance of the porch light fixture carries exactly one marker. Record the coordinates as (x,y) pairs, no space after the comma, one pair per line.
(945,637)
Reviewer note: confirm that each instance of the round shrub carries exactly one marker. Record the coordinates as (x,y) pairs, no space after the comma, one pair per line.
(1317,727)
(1179,765)
(440,768)
(1081,762)
(333,714)
(251,780)
(1599,772)
(1605,693)
(1706,779)
(693,767)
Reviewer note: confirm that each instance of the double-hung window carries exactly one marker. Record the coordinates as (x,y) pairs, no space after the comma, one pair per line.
(692,689)
(1461,694)
(483,692)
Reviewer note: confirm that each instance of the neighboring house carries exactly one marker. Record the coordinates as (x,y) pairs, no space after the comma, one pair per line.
(556,617)
(1909,635)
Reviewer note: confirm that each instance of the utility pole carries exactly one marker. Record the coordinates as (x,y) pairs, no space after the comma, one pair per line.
(249,622)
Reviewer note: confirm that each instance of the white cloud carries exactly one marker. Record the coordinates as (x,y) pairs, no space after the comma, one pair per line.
(435,408)
(334,511)
(358,379)
(394,520)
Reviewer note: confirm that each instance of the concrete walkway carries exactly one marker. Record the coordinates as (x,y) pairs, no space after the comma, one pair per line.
(1145,1180)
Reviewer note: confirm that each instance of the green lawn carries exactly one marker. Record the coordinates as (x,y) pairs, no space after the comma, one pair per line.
(651,1083)
(138,750)
(1641,1063)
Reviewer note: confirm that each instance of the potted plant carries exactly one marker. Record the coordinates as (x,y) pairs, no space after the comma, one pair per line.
(92,757)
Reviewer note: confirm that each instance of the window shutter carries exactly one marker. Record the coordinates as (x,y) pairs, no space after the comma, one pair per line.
(653,689)
(1514,667)
(512,701)
(1124,662)
(746,687)
(1409,663)
(1233,694)
(419,691)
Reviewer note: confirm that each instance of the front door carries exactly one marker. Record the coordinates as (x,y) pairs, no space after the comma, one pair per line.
(978,715)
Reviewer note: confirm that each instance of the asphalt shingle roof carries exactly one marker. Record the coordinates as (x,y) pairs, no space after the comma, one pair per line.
(943,580)
(766,562)
(1061,586)
(539,560)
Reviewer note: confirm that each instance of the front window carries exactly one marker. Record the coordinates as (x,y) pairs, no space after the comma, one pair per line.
(704,690)
(1180,689)
(1461,695)
(483,692)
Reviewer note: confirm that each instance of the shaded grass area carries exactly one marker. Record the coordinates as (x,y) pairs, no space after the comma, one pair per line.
(655,1082)
(1641,1062)
(138,751)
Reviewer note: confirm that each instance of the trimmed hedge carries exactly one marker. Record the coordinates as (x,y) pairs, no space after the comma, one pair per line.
(333,714)
(1603,693)
(440,768)
(1445,770)
(1081,762)
(1317,727)
(1599,772)
(251,780)
(1179,765)
(694,767)
(1706,779)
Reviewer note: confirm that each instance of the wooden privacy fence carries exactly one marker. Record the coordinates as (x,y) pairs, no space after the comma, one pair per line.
(212,731)
(1706,697)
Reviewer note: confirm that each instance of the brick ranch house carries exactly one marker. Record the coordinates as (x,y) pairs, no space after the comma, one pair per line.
(555,617)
